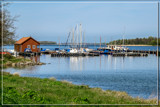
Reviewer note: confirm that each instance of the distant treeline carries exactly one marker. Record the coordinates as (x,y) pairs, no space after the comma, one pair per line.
(47,42)
(138,41)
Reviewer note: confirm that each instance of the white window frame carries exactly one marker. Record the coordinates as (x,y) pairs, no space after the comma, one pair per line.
(34,46)
(29,46)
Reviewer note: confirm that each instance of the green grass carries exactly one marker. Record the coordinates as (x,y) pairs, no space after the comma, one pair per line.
(29,90)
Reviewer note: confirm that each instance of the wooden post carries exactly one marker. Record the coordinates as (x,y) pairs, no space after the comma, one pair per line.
(100,41)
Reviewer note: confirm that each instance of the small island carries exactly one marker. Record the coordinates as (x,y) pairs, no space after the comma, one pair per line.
(47,42)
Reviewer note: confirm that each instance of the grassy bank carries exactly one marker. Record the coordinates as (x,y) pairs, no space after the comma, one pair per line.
(11,61)
(7,59)
(29,90)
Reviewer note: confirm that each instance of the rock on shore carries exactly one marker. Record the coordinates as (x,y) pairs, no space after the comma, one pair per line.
(21,64)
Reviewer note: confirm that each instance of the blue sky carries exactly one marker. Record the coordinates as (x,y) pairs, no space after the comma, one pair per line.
(53,21)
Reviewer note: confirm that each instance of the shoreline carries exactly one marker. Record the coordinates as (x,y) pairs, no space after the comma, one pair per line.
(11,61)
(70,82)
(51,91)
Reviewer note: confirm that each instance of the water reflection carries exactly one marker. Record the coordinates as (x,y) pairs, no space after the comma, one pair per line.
(103,63)
(35,58)
(77,63)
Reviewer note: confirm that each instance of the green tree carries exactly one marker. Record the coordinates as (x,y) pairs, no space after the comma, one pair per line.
(153,42)
(141,41)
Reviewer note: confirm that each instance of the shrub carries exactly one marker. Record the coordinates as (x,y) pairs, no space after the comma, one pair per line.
(7,56)
(12,96)
(81,100)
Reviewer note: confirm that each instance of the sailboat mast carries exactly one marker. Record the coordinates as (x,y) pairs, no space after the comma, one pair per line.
(111,40)
(73,37)
(77,35)
(123,40)
(84,38)
(80,35)
(124,34)
(100,41)
(95,44)
(59,42)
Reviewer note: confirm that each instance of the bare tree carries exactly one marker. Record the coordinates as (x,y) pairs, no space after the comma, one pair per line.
(7,25)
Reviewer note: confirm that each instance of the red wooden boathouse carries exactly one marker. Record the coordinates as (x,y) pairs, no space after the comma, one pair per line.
(27,42)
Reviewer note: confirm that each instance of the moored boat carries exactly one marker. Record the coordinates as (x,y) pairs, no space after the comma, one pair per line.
(117,48)
(104,50)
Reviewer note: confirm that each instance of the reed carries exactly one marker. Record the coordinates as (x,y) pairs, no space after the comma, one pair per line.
(52,78)
(16,74)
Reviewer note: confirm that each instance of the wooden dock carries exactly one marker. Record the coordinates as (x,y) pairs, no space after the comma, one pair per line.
(29,54)
(142,51)
(129,54)
(73,54)
(93,53)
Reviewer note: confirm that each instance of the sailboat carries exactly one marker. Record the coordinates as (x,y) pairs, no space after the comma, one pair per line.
(76,41)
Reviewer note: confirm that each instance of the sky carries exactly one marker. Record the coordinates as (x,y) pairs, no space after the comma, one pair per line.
(53,21)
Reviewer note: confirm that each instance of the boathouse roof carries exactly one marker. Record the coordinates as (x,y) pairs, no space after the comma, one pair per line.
(24,39)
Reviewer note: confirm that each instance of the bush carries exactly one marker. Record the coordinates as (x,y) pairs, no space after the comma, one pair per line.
(12,96)
(81,100)
(7,56)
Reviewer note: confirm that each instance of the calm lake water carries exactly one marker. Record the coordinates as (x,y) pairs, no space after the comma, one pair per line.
(135,75)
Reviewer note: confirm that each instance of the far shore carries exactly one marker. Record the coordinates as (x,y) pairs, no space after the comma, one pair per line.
(136,45)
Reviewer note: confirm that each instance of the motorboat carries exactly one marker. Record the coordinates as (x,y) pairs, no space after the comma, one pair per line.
(117,48)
